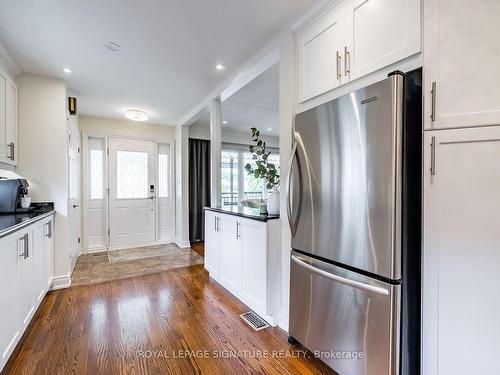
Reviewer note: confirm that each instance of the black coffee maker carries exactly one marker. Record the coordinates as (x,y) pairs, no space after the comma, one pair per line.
(11,192)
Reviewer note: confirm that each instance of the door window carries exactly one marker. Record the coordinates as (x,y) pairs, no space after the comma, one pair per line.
(131,175)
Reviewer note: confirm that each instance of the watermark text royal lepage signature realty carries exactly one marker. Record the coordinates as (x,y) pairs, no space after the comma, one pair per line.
(179,354)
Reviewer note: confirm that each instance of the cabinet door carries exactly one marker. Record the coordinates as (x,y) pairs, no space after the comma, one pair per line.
(461,259)
(461,56)
(9,327)
(48,248)
(11,122)
(3,123)
(211,243)
(26,279)
(254,265)
(320,52)
(230,253)
(383,32)
(37,252)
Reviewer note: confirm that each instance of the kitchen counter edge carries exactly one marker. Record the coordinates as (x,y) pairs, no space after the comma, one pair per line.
(263,218)
(26,223)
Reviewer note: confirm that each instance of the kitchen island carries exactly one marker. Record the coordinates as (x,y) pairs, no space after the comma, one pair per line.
(242,253)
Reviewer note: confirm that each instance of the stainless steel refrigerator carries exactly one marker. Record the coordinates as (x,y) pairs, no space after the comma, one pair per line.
(353,203)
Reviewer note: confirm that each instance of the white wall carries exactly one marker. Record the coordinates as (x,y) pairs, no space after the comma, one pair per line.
(43,153)
(230,136)
(101,126)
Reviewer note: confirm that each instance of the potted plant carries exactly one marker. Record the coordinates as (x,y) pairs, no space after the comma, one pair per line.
(265,170)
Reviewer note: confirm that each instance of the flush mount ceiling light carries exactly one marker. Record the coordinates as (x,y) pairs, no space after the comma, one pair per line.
(224,122)
(112,46)
(136,115)
(220,67)
(270,129)
(67,70)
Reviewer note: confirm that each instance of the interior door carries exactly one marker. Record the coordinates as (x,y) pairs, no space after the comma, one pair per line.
(132,196)
(74,189)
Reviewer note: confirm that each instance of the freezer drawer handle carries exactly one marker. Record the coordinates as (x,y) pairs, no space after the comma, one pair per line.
(340,279)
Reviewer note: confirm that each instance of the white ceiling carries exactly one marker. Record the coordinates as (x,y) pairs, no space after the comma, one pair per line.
(169,47)
(254,105)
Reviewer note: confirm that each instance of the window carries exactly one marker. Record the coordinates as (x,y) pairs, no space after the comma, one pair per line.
(234,176)
(131,175)
(96,183)
(163,170)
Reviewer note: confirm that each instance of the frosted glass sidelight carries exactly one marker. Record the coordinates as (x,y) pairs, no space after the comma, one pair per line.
(96,172)
(131,175)
(163,175)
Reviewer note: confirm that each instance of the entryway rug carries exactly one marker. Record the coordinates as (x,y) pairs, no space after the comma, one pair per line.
(121,264)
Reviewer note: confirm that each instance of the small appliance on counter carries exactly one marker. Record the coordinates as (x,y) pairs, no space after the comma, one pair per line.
(12,191)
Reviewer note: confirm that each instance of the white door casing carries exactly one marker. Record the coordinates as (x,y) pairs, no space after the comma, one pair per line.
(132,216)
(74,189)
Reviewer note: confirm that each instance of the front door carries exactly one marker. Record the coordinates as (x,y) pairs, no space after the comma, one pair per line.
(132,217)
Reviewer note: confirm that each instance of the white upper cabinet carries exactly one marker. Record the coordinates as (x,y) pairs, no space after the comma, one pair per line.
(383,32)
(8,120)
(320,52)
(462,56)
(353,39)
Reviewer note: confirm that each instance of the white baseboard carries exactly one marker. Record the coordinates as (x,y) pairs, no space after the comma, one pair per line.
(61,282)
(182,243)
(283,321)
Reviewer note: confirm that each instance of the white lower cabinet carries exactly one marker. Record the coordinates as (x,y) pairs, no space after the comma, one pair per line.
(461,255)
(26,266)
(243,256)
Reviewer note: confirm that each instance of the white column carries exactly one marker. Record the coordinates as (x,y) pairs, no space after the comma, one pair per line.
(287,110)
(215,151)
(181,186)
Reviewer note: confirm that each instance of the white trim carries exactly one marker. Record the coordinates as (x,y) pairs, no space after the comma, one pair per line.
(183,244)
(283,321)
(61,282)
(315,11)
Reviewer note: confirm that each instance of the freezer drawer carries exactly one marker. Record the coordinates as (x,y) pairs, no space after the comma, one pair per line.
(353,320)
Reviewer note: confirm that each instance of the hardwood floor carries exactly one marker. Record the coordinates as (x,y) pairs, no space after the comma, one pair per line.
(174,322)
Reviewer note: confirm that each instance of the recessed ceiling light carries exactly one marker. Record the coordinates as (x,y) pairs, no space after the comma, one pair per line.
(136,115)
(112,46)
(270,129)
(220,67)
(225,122)
(67,70)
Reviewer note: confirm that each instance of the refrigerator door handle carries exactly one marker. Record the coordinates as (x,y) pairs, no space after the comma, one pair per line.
(340,279)
(288,188)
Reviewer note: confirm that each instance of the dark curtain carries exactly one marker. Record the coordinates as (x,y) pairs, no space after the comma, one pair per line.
(199,187)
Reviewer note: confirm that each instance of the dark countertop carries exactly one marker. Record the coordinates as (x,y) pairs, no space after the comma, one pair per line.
(12,222)
(246,212)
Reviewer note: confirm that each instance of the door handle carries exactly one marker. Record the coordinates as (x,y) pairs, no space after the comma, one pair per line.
(433,102)
(238,234)
(76,205)
(49,229)
(338,64)
(347,62)
(152,197)
(12,149)
(340,279)
(25,254)
(291,221)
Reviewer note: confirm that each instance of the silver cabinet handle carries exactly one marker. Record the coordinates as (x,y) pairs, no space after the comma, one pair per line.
(27,246)
(340,279)
(433,101)
(238,234)
(338,63)
(25,254)
(215,223)
(433,156)
(49,229)
(347,62)
(12,146)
